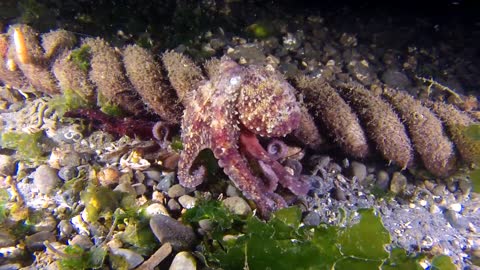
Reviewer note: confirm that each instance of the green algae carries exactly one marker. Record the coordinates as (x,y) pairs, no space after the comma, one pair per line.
(81,58)
(284,243)
(27,145)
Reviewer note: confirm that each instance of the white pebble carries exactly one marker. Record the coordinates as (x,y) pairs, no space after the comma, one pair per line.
(456,207)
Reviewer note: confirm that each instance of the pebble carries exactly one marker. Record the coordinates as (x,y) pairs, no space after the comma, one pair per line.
(183,261)
(398,183)
(176,191)
(47,223)
(45,179)
(456,207)
(154,175)
(170,230)
(133,259)
(140,188)
(108,176)
(82,241)
(206,224)
(7,165)
(173,205)
(312,219)
(65,228)
(156,209)
(232,191)
(358,170)
(35,241)
(6,239)
(66,173)
(396,79)
(11,266)
(383,180)
(187,201)
(237,205)
(439,190)
(166,182)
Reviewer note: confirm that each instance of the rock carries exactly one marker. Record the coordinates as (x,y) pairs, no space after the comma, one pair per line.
(173,205)
(67,173)
(232,191)
(11,266)
(170,230)
(35,241)
(47,223)
(65,228)
(108,176)
(237,205)
(398,183)
(183,261)
(396,79)
(358,170)
(166,182)
(45,179)
(7,165)
(82,241)
(133,259)
(154,175)
(383,180)
(140,189)
(6,239)
(206,224)
(176,191)
(312,219)
(187,201)
(156,209)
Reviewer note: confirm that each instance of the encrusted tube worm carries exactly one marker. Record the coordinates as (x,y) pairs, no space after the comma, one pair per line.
(107,72)
(183,73)
(382,124)
(426,131)
(27,53)
(335,115)
(145,75)
(307,132)
(56,42)
(456,122)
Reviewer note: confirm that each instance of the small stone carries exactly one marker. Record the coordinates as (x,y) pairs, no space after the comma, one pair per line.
(108,176)
(7,165)
(237,205)
(35,241)
(398,183)
(82,241)
(67,173)
(456,207)
(465,186)
(154,175)
(166,182)
(125,187)
(6,239)
(47,223)
(173,205)
(232,191)
(339,194)
(396,79)
(312,219)
(170,230)
(176,191)
(383,180)
(156,209)
(206,224)
(452,218)
(187,201)
(183,261)
(439,190)
(358,170)
(140,188)
(65,228)
(45,179)
(133,259)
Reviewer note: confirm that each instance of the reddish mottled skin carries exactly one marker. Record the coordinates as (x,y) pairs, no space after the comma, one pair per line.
(234,100)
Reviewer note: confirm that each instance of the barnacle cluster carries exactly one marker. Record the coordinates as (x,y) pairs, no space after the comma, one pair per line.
(225,107)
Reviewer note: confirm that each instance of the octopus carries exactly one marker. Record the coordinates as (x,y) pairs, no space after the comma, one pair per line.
(225,114)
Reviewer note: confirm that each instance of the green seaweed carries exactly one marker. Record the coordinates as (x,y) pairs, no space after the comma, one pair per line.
(27,145)
(4,198)
(78,259)
(69,101)
(99,202)
(81,57)
(284,243)
(473,132)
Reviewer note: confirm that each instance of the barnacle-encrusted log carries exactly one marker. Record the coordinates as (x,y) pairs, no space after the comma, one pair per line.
(183,73)
(336,116)
(426,131)
(456,122)
(381,123)
(108,74)
(29,56)
(145,75)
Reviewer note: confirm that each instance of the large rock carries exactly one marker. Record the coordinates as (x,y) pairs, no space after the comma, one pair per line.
(170,230)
